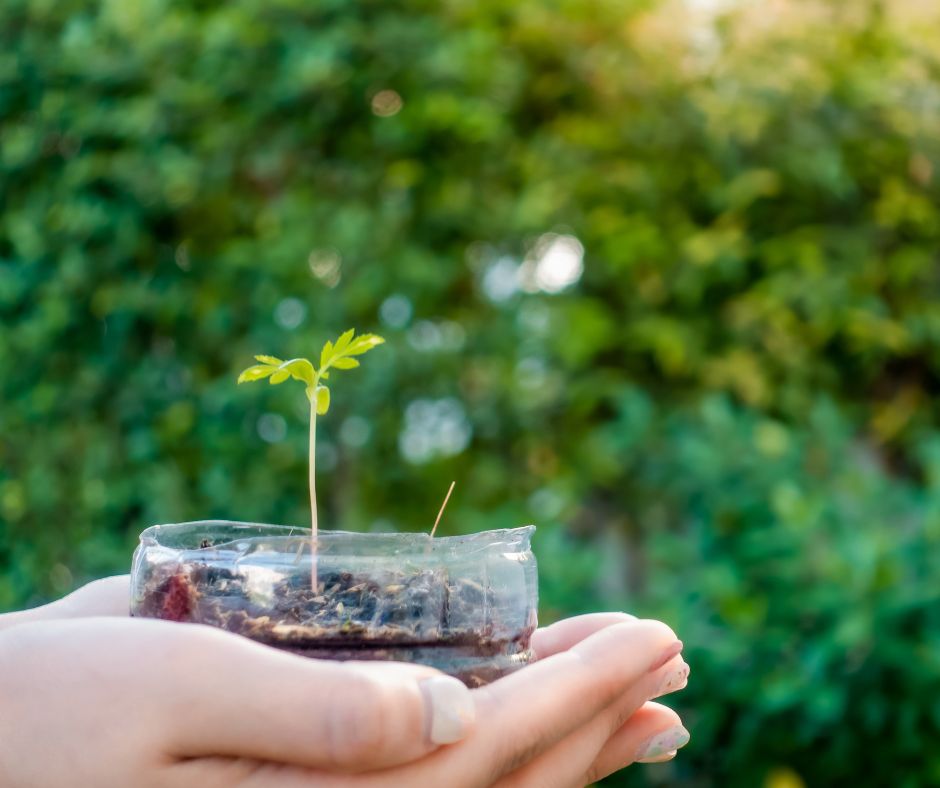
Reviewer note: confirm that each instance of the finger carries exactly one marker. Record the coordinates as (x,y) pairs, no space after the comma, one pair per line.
(107,597)
(584,680)
(566,633)
(525,713)
(653,735)
(566,763)
(223,695)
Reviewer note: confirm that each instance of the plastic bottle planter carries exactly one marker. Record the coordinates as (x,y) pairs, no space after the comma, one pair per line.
(463,604)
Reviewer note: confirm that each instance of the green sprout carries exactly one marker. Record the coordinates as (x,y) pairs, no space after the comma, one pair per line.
(338,355)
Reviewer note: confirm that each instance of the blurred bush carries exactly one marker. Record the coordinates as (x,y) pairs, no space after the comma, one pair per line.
(661,277)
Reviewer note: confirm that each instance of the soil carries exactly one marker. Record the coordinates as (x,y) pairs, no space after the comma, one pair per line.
(423,617)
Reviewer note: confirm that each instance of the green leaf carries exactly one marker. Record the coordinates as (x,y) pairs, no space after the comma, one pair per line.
(323,400)
(333,355)
(363,343)
(300,369)
(344,339)
(257,372)
(326,354)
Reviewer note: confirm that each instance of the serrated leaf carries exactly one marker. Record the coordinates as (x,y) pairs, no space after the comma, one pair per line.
(257,372)
(300,369)
(345,363)
(279,377)
(364,343)
(323,400)
(326,354)
(344,339)
(273,360)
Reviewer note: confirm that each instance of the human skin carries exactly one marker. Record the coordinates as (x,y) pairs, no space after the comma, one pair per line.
(92,697)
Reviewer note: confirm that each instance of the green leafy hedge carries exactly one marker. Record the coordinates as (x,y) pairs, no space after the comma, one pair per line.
(727,420)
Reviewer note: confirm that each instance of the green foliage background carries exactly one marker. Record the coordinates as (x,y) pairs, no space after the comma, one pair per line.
(729,422)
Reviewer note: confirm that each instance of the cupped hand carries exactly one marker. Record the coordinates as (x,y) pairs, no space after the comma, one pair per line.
(109,596)
(579,713)
(119,701)
(141,702)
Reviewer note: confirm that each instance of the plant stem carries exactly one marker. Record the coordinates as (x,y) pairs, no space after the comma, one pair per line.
(443,507)
(312,464)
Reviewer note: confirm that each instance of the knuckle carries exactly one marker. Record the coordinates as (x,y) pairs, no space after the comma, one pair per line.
(512,755)
(622,715)
(357,720)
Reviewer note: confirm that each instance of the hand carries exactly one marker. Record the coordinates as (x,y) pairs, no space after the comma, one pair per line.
(119,702)
(575,716)
(578,714)
(109,596)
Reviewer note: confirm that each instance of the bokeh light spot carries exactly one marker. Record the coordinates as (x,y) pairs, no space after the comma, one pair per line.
(434,429)
(272,427)
(355,432)
(557,262)
(290,313)
(325,265)
(386,103)
(395,311)
(501,279)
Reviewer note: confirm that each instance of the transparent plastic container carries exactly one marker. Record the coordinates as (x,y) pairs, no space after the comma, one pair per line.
(463,604)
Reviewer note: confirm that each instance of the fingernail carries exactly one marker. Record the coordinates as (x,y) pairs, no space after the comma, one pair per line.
(674,680)
(659,758)
(663,743)
(667,655)
(450,709)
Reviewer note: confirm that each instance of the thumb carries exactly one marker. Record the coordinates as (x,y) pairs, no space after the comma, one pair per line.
(243,700)
(106,597)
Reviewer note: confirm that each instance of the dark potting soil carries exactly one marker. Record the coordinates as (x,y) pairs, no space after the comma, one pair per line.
(421,616)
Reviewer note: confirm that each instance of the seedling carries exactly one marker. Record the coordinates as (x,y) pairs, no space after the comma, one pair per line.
(338,355)
(465,605)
